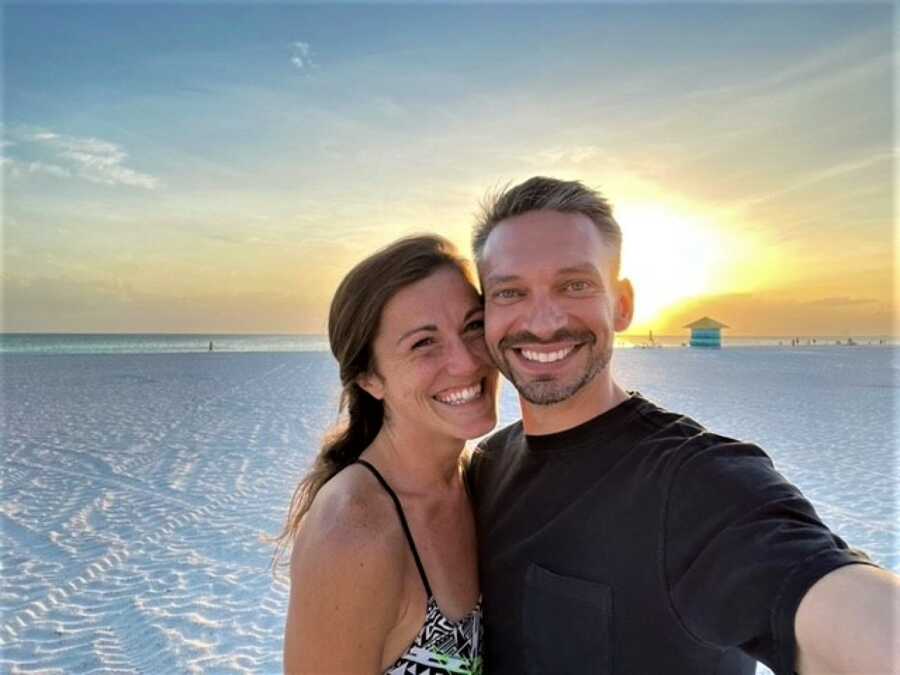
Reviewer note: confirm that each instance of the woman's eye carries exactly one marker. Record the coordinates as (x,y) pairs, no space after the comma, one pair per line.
(424,342)
(476,325)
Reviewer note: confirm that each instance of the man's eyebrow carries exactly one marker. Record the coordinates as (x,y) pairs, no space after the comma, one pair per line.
(430,328)
(587,267)
(583,268)
(501,278)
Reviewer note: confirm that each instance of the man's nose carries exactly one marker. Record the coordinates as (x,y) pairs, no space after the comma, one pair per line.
(546,317)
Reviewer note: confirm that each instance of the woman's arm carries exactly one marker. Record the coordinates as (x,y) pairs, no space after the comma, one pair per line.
(346,589)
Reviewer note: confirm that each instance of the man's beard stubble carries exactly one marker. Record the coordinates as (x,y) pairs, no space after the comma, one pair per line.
(549,392)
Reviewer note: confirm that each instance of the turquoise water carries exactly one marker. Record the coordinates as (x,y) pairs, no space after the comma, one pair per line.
(120,343)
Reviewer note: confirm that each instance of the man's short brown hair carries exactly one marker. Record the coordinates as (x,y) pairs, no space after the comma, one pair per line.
(541,193)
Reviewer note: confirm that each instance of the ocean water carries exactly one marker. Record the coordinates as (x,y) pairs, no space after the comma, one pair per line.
(163,343)
(137,489)
(154,343)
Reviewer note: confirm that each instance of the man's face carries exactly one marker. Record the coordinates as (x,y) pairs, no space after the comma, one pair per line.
(552,303)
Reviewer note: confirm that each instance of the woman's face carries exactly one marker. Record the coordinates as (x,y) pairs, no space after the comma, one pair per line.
(433,370)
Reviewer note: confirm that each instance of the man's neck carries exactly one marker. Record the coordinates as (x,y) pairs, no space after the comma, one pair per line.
(596,398)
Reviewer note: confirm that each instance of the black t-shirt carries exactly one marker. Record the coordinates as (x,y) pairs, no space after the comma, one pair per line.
(640,543)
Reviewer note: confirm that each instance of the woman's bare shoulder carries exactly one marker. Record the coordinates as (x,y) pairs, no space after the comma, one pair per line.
(352,518)
(347,578)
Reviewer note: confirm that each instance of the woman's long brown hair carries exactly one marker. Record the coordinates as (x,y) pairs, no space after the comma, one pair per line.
(353,323)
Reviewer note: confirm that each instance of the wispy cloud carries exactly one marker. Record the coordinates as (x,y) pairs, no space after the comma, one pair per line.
(744,113)
(842,301)
(16,168)
(89,158)
(555,156)
(830,66)
(813,178)
(302,55)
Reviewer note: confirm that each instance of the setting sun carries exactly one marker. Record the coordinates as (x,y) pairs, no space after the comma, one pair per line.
(669,256)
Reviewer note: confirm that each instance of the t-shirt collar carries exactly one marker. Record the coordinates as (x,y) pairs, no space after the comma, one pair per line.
(604,426)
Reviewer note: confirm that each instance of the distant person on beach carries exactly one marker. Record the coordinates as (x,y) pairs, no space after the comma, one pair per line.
(384,573)
(616,537)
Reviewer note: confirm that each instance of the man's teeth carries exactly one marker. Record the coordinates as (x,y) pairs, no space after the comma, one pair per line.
(460,396)
(546,357)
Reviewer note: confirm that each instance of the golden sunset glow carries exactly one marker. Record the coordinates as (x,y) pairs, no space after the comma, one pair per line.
(671,256)
(752,173)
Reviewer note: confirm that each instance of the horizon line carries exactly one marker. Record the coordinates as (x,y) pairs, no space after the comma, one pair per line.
(642,335)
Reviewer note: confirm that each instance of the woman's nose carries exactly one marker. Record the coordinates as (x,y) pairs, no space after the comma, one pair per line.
(463,359)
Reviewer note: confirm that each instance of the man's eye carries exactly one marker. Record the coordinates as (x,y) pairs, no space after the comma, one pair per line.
(578,286)
(506,294)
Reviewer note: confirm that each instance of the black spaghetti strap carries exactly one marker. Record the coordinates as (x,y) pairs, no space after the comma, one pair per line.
(406,530)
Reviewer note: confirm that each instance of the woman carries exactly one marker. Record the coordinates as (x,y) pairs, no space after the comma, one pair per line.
(383,569)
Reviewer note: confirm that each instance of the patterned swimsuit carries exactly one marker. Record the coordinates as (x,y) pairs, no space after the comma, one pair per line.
(442,646)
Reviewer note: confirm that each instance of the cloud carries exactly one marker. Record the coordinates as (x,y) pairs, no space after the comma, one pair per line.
(821,175)
(89,158)
(770,313)
(50,169)
(302,55)
(111,303)
(840,302)
(555,156)
(16,168)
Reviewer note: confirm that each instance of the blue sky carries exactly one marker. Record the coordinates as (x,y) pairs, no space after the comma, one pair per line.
(219,167)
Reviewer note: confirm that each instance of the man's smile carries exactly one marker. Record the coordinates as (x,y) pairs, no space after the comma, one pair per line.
(544,358)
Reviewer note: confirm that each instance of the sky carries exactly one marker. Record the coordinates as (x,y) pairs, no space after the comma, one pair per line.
(213,168)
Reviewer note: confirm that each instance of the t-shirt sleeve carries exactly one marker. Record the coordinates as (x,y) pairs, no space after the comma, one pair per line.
(741,547)
(471,465)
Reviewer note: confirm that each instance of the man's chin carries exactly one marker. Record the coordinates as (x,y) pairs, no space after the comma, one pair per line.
(547,393)
(551,391)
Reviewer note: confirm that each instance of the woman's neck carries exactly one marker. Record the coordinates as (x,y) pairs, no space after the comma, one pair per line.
(415,463)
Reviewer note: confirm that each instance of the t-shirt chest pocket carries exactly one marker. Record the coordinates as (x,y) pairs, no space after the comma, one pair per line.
(567,624)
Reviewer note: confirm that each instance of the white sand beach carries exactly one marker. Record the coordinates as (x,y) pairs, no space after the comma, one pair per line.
(136,487)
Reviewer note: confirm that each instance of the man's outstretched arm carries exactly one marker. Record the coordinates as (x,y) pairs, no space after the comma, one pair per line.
(849,623)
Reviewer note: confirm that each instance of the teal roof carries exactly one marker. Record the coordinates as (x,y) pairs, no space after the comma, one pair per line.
(706,324)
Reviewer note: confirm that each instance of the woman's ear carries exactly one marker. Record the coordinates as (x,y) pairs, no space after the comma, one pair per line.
(371,384)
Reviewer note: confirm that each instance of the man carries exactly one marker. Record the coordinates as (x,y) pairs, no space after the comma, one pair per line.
(615,536)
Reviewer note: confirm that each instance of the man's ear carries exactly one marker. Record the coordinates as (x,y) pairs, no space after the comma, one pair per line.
(371,383)
(624,305)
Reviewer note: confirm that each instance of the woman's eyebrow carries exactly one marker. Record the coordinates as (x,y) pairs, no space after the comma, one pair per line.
(430,327)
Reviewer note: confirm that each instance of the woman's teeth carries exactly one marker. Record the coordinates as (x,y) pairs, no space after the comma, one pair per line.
(460,396)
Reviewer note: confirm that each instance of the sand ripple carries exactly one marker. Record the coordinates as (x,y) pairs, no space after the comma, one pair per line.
(133,508)
(136,488)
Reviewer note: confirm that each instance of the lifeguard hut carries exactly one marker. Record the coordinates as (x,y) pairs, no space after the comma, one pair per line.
(706,332)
